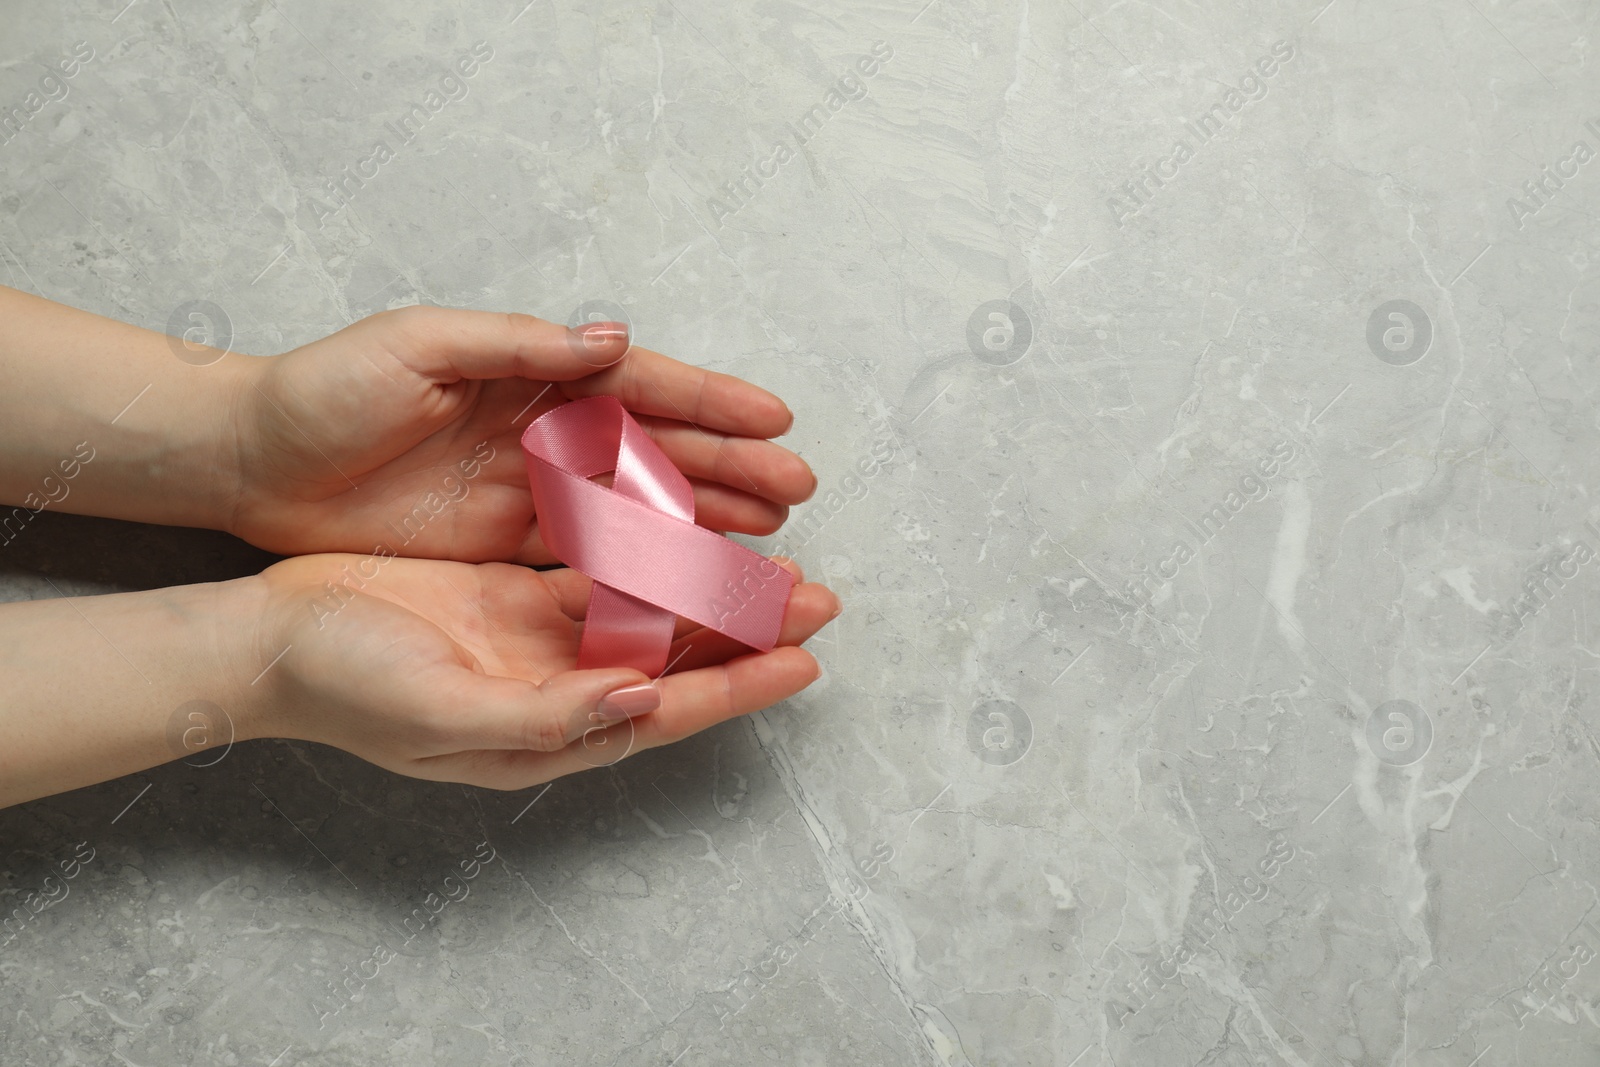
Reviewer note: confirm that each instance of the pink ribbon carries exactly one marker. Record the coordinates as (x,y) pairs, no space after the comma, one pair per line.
(639,542)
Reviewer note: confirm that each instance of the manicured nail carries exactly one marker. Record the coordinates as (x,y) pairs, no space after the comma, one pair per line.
(600,344)
(601,334)
(628,703)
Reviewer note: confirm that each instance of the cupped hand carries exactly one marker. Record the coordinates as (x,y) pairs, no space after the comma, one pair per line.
(466,672)
(402,433)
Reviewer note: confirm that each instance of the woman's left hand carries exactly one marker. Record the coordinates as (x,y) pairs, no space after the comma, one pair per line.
(404,429)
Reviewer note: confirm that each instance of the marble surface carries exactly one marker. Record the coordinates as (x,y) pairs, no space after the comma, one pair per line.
(1204,403)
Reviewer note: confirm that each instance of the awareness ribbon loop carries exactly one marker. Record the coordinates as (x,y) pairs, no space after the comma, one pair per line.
(639,542)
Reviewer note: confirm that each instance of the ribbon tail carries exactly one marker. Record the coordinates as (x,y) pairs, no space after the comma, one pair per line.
(623,631)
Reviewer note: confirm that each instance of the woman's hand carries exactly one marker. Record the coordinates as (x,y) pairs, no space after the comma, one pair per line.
(402,432)
(449,671)
(465,673)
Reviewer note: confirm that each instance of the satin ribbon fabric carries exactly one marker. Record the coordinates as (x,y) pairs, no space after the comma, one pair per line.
(639,542)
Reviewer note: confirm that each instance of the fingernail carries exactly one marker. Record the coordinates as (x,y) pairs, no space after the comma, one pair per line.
(838,609)
(601,334)
(628,703)
(790,424)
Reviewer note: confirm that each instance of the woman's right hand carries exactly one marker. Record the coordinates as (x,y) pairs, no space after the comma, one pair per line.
(466,672)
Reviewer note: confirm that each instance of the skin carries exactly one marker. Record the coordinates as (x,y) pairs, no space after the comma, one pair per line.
(447,664)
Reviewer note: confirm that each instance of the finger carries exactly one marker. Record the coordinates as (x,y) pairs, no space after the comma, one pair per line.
(533,552)
(694,700)
(811,607)
(572,589)
(745,463)
(724,508)
(690,703)
(449,344)
(488,712)
(649,383)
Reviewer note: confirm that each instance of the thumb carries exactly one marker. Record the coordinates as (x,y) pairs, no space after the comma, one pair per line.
(447,344)
(509,713)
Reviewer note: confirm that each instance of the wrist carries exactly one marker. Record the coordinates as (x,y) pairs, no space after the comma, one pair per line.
(243,649)
(184,445)
(225,402)
(286,611)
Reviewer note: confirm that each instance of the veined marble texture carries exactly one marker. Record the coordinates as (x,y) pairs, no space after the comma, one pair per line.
(1203,397)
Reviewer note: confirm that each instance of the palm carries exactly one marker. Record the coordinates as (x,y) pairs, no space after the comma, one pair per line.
(364,440)
(439,477)
(418,618)
(506,623)
(436,669)
(423,627)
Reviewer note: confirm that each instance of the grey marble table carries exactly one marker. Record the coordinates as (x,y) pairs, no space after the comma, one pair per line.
(1203,397)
